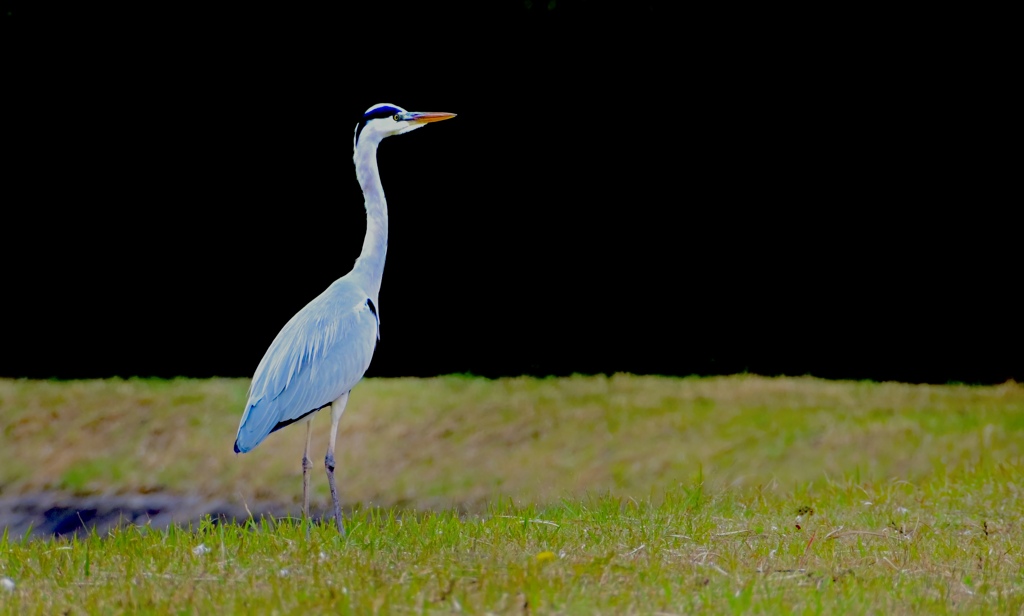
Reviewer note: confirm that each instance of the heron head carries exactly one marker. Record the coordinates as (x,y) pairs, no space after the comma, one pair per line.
(383,120)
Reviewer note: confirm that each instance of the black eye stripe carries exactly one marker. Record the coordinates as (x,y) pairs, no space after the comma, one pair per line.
(381,112)
(377,113)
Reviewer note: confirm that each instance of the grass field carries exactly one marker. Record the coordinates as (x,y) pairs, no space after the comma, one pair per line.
(591,495)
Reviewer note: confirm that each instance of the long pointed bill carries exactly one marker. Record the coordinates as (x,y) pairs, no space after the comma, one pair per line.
(422,117)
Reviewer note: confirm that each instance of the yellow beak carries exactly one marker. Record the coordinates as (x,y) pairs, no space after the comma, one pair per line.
(422,117)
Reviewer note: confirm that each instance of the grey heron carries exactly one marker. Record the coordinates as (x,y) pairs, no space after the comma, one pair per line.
(324,350)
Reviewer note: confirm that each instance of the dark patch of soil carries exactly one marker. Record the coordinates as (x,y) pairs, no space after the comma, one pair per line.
(49,515)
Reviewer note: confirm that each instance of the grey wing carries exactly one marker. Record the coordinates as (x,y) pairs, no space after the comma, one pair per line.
(320,354)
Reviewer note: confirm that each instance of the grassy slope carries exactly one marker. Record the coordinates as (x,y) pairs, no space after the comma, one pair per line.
(588,495)
(464,442)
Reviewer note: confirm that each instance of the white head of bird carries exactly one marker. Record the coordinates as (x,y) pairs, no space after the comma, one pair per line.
(384,120)
(380,121)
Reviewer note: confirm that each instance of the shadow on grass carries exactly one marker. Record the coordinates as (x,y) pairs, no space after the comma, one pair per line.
(52,515)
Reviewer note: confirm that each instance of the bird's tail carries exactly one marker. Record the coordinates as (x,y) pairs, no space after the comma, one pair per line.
(254,427)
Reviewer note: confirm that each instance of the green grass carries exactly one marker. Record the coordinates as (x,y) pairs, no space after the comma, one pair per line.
(584,495)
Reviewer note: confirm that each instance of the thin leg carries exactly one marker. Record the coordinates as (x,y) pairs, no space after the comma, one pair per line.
(306,465)
(337,408)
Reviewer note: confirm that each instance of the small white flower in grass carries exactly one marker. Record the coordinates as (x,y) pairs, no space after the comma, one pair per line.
(283,572)
(903,510)
(7,583)
(200,549)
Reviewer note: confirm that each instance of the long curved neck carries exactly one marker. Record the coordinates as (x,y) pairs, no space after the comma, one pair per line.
(369,267)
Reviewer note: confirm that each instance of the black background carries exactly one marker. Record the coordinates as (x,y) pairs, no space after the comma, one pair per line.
(626,188)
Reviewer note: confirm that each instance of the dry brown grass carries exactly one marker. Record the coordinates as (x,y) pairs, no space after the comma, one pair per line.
(463,442)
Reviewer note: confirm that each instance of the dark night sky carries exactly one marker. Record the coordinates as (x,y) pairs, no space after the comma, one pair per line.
(643,192)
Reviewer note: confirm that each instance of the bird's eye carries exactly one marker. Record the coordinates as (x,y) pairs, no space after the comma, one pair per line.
(396,118)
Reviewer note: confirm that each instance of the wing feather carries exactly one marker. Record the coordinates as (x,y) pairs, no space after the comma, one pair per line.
(320,354)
